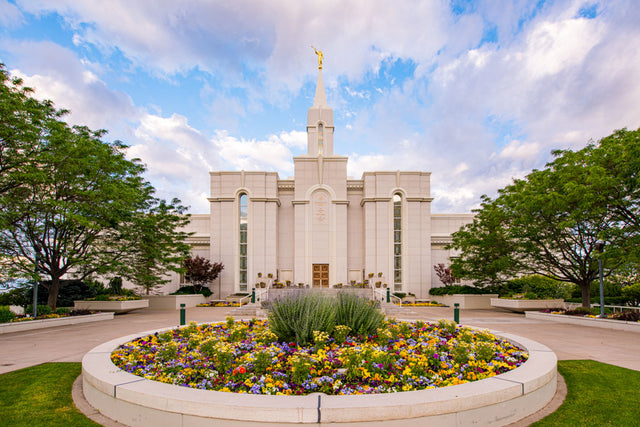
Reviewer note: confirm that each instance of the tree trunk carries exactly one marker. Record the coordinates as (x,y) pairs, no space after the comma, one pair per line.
(54,288)
(586,294)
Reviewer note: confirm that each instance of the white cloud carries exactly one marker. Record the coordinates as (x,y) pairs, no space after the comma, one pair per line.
(57,74)
(518,150)
(10,15)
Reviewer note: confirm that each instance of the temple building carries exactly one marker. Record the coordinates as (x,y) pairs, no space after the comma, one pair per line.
(322,228)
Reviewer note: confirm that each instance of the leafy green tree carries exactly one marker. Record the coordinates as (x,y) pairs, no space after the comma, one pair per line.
(200,271)
(549,222)
(69,201)
(157,244)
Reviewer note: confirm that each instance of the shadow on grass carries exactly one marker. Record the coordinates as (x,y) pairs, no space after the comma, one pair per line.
(598,395)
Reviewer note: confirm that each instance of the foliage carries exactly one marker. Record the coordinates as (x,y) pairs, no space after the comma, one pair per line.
(71,204)
(6,315)
(444,274)
(537,286)
(462,289)
(294,318)
(628,316)
(156,244)
(361,316)
(631,294)
(115,286)
(549,222)
(590,384)
(41,396)
(200,271)
(191,290)
(43,309)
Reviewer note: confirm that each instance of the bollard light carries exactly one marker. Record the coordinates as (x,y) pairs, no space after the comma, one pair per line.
(456,313)
(183,315)
(600,248)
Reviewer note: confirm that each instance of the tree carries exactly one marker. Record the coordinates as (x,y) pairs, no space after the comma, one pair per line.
(68,200)
(200,271)
(444,274)
(157,244)
(549,222)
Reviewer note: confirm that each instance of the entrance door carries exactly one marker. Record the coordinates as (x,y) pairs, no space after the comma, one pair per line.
(320,275)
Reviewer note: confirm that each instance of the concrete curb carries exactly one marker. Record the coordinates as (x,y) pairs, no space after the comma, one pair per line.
(29,325)
(499,400)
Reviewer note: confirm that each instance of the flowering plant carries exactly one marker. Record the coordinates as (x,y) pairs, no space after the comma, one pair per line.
(244,357)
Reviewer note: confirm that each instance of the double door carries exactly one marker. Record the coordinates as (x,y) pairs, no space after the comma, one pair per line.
(320,275)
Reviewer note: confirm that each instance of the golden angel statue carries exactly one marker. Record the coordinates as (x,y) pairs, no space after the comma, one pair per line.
(320,57)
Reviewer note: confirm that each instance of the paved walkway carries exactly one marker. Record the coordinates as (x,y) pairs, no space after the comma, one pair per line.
(69,343)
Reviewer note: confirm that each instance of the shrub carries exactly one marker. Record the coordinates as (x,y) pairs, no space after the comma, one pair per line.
(6,315)
(294,318)
(581,311)
(540,286)
(191,290)
(63,310)
(359,314)
(42,309)
(629,316)
(631,294)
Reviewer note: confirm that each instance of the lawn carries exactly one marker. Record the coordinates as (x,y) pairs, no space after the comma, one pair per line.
(599,395)
(40,396)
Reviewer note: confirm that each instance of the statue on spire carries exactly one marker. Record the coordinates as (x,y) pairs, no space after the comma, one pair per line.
(320,57)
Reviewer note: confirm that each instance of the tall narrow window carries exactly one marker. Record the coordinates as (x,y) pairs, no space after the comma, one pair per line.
(242,262)
(397,242)
(320,138)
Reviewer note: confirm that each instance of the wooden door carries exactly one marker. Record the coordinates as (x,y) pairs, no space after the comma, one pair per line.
(320,275)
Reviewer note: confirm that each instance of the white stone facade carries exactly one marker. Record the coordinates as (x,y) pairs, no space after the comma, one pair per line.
(322,221)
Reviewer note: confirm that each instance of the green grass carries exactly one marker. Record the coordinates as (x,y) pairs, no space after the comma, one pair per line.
(598,395)
(40,396)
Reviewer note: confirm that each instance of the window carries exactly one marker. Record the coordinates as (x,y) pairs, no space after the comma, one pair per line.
(243,204)
(397,242)
(320,138)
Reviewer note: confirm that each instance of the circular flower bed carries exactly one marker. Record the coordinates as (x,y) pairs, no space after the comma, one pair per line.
(245,357)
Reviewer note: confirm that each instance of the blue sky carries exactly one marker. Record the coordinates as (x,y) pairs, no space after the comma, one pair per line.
(476,92)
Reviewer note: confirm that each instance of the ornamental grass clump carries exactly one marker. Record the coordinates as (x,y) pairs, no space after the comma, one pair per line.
(362,316)
(294,318)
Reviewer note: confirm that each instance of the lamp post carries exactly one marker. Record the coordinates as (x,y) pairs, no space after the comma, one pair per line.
(37,282)
(600,249)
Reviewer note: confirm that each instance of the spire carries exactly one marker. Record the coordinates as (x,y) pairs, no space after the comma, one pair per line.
(320,99)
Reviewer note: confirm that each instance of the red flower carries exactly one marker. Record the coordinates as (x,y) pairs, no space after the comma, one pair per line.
(241,370)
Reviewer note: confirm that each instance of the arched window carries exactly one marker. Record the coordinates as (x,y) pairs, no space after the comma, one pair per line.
(397,242)
(243,205)
(320,138)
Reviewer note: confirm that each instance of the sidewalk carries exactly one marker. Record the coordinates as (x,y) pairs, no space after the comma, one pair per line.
(70,343)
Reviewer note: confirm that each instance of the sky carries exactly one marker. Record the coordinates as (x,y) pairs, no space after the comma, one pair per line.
(476,92)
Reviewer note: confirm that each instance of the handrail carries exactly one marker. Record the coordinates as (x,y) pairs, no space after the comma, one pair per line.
(384,297)
(382,294)
(243,298)
(398,298)
(259,293)
(616,306)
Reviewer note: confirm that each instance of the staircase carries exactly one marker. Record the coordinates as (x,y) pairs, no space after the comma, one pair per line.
(248,311)
(393,310)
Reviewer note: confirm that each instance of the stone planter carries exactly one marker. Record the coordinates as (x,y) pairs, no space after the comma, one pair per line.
(466,301)
(172,302)
(409,299)
(498,401)
(111,306)
(522,305)
(30,325)
(619,325)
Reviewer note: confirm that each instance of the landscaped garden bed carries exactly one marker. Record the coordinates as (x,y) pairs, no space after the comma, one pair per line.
(246,357)
(27,323)
(625,321)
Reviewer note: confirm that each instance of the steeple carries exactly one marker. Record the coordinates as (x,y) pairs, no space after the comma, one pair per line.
(320,120)
(320,99)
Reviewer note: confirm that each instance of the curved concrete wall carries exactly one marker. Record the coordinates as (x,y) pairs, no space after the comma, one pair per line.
(499,400)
